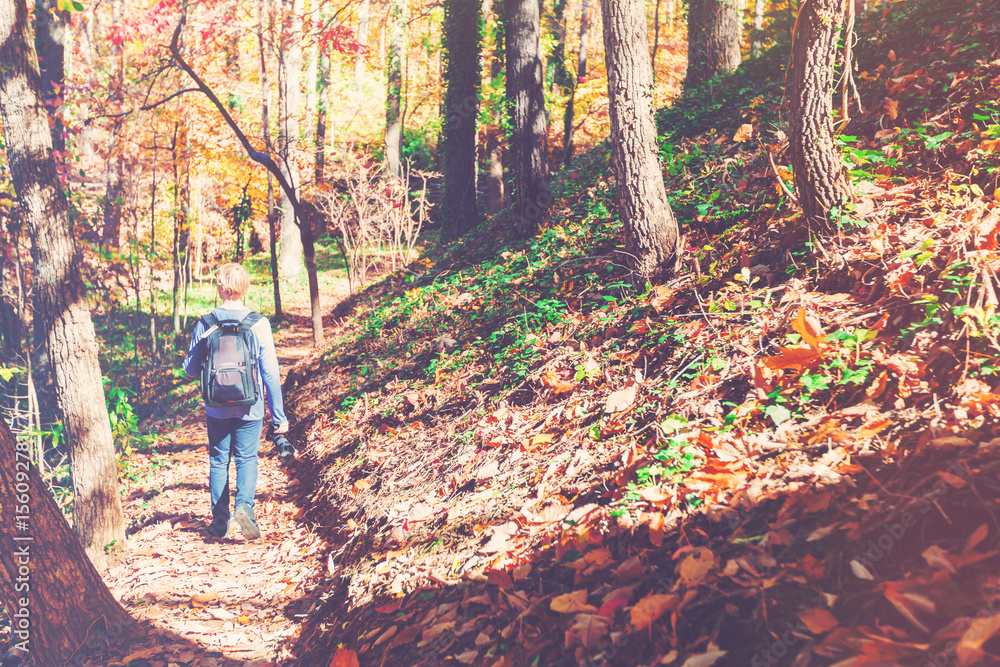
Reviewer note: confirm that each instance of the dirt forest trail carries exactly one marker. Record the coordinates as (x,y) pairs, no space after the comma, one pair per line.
(215,602)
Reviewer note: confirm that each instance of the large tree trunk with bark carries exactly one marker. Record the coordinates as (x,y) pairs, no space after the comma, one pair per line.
(57,602)
(59,295)
(395,27)
(290,252)
(581,72)
(461,45)
(713,40)
(650,229)
(820,181)
(526,99)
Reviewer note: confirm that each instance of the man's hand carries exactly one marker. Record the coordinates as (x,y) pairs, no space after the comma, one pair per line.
(281,429)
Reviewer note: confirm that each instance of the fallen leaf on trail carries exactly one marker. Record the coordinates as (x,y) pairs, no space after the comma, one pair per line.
(892,108)
(937,558)
(390,608)
(243,620)
(468,657)
(907,603)
(969,648)
(796,358)
(860,571)
(609,608)
(587,631)
(139,655)
(201,599)
(571,603)
(621,400)
(344,657)
(487,472)
(704,660)
(420,512)
(818,620)
(548,514)
(536,441)
(696,566)
(892,55)
(386,634)
(359,486)
(552,381)
(435,631)
(744,133)
(978,536)
(649,609)
(221,614)
(809,328)
(655,495)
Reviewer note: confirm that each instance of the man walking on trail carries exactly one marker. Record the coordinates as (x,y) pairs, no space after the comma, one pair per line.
(234,428)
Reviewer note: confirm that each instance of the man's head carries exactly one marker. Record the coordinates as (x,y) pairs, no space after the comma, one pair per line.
(233,282)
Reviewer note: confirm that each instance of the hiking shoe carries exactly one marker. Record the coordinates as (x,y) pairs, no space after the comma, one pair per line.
(284,446)
(218,528)
(244,517)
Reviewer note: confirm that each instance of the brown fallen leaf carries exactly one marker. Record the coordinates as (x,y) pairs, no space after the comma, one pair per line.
(572,603)
(977,536)
(621,400)
(344,657)
(468,657)
(587,631)
(202,599)
(420,512)
(704,660)
(651,608)
(744,133)
(435,631)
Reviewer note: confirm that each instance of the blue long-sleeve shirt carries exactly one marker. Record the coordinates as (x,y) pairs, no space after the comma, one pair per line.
(267,362)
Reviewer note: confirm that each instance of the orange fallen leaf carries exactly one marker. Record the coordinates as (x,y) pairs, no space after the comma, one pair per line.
(359,486)
(892,108)
(655,495)
(552,381)
(345,657)
(744,133)
(696,566)
(977,536)
(818,620)
(572,603)
(650,608)
(892,55)
(536,441)
(201,599)
(969,648)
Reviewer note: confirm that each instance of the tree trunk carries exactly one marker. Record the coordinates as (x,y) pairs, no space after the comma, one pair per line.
(364,18)
(581,72)
(57,602)
(114,187)
(182,231)
(461,44)
(818,168)
(656,36)
(290,252)
(650,229)
(394,93)
(526,97)
(59,297)
(494,145)
(713,40)
(263,8)
(756,40)
(51,26)
(323,85)
(557,61)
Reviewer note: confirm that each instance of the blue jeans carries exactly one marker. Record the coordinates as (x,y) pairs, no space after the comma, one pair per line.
(237,439)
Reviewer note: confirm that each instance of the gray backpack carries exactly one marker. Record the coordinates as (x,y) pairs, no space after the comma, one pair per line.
(229,361)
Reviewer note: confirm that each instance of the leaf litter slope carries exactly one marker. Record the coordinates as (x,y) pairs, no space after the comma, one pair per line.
(783,456)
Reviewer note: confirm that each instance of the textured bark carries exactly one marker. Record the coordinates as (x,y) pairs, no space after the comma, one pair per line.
(59,295)
(59,594)
(713,40)
(557,72)
(756,41)
(650,228)
(526,98)
(51,28)
(581,71)
(182,229)
(818,167)
(290,252)
(394,91)
(461,44)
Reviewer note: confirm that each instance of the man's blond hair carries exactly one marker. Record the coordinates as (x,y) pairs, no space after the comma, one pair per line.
(233,281)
